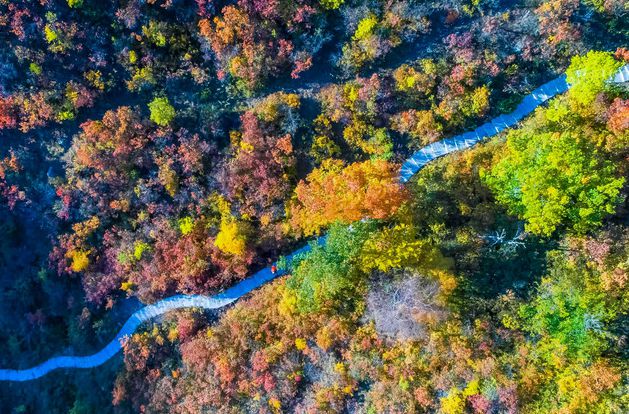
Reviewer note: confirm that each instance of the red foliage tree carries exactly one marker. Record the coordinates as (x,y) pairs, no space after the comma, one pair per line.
(259,174)
(8,118)
(254,40)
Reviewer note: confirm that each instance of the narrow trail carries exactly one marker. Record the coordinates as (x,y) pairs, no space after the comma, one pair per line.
(410,167)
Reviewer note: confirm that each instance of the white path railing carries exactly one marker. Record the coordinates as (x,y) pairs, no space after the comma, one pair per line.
(410,167)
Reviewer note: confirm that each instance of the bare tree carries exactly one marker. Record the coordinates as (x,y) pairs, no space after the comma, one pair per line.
(498,239)
(401,305)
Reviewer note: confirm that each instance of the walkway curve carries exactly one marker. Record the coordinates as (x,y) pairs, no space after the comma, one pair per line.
(410,167)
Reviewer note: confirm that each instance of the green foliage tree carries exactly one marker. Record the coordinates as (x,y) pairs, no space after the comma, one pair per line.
(162,112)
(565,315)
(155,33)
(588,75)
(330,275)
(567,323)
(554,179)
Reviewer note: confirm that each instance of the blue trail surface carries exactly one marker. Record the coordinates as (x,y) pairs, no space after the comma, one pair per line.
(410,167)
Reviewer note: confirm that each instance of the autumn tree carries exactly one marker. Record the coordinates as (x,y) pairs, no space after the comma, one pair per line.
(232,237)
(254,42)
(104,155)
(414,82)
(131,176)
(369,189)
(7,113)
(421,125)
(400,247)
(560,33)
(568,323)
(618,124)
(258,175)
(377,31)
(358,107)
(190,262)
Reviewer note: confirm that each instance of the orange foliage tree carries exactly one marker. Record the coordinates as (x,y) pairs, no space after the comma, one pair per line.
(369,189)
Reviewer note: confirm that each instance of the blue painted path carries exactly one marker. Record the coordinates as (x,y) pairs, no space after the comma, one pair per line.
(410,167)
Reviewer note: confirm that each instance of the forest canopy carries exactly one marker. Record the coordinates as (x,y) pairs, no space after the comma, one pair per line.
(155,149)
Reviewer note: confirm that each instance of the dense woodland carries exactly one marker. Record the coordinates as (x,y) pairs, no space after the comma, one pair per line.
(150,148)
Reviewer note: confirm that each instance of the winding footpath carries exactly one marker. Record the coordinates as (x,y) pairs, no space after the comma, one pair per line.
(410,167)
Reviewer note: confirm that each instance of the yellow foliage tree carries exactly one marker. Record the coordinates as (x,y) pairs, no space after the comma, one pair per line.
(398,247)
(80,260)
(453,403)
(232,237)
